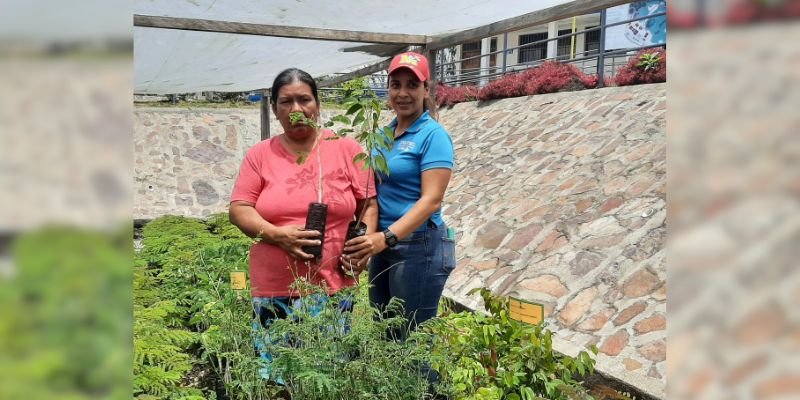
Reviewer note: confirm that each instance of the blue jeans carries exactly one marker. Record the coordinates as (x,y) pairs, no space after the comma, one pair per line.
(415,271)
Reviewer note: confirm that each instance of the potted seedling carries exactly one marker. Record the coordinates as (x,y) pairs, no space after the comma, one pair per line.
(317,211)
(363,119)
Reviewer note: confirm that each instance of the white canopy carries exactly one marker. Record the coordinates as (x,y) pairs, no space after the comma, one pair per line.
(180,61)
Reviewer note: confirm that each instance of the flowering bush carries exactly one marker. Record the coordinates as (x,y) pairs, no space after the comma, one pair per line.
(449,95)
(647,66)
(550,77)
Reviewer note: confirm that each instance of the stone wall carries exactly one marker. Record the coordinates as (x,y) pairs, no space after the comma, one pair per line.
(560,199)
(557,198)
(186,160)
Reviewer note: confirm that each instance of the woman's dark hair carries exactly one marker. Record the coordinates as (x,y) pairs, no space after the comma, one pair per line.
(290,75)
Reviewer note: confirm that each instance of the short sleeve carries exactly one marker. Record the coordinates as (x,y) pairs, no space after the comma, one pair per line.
(362,178)
(437,150)
(249,183)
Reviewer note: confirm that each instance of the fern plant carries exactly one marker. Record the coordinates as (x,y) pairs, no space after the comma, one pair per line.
(160,343)
(186,316)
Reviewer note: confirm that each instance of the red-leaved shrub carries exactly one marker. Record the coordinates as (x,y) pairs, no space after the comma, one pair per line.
(550,77)
(634,72)
(449,95)
(748,11)
(507,86)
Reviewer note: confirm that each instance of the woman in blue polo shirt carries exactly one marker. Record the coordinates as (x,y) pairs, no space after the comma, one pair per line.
(412,255)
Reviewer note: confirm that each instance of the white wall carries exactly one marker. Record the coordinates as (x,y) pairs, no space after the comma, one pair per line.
(512,58)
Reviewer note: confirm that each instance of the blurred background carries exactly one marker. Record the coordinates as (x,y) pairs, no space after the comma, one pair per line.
(65,203)
(733,197)
(733,182)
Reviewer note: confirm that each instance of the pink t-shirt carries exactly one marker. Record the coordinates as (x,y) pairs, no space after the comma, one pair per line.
(281,191)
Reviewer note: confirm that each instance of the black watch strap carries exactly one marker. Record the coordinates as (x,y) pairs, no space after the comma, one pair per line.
(391,238)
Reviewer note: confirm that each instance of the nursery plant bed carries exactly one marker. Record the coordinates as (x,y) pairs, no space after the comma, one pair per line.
(601,385)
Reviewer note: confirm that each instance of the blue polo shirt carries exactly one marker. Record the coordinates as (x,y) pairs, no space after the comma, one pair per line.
(425,145)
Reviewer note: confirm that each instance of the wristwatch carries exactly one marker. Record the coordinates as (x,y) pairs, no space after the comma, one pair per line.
(391,238)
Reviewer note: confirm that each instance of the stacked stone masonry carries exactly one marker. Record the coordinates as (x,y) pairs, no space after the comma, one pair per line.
(561,199)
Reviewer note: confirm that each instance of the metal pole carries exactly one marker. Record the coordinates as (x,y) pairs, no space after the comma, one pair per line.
(265,115)
(432,84)
(505,51)
(572,38)
(601,61)
(441,67)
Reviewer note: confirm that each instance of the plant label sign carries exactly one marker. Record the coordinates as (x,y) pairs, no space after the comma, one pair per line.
(238,280)
(524,311)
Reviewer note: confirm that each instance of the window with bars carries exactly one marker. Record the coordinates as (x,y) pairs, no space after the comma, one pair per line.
(473,49)
(535,52)
(564,44)
(591,43)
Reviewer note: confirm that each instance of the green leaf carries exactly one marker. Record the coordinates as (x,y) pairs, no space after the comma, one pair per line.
(340,118)
(353,109)
(360,157)
(344,131)
(381,165)
(359,118)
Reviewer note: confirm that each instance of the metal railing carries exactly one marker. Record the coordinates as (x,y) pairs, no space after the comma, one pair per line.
(594,61)
(337,95)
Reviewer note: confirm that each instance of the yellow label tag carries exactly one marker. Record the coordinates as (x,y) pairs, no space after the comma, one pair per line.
(238,280)
(527,312)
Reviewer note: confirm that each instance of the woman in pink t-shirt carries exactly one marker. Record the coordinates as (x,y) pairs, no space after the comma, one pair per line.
(272,192)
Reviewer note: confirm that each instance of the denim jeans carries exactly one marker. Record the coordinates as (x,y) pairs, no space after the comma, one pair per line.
(415,271)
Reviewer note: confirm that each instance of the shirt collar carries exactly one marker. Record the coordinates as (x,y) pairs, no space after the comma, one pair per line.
(415,127)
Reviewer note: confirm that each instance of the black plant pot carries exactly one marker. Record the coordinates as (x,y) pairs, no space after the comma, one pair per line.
(355,229)
(315,221)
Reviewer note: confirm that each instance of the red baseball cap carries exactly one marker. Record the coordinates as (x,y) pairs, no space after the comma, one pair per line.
(416,62)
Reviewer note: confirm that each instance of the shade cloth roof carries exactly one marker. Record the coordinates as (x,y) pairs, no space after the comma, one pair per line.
(180,61)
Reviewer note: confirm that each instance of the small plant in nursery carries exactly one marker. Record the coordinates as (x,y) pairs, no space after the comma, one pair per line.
(488,357)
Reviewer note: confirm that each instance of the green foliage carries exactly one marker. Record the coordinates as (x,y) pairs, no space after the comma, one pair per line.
(356,87)
(172,249)
(328,361)
(160,359)
(188,319)
(495,357)
(226,319)
(182,300)
(363,117)
(649,61)
(298,118)
(65,324)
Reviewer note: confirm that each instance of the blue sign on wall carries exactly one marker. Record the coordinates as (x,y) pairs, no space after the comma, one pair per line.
(638,33)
